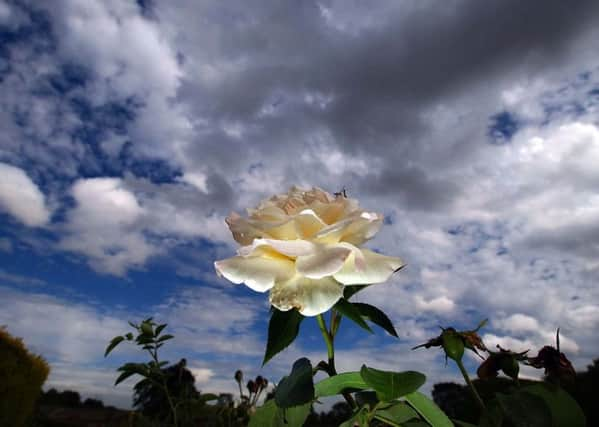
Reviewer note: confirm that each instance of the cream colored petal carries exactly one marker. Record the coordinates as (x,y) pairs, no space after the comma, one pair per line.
(378,268)
(267,213)
(243,231)
(309,296)
(355,229)
(285,230)
(364,229)
(307,224)
(329,213)
(289,248)
(325,261)
(258,273)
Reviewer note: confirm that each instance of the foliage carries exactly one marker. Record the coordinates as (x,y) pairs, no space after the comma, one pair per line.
(167,395)
(23,375)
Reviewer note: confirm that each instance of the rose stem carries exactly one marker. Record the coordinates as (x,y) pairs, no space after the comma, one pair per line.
(477,397)
(329,340)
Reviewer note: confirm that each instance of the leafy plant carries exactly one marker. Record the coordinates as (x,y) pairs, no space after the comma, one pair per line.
(166,394)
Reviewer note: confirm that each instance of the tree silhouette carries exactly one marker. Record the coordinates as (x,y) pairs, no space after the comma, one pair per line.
(149,396)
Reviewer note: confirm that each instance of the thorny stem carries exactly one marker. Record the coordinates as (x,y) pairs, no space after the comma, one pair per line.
(477,397)
(329,339)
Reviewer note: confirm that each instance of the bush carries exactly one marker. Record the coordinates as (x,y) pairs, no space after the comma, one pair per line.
(22,375)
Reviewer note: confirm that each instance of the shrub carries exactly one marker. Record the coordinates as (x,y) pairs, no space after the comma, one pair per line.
(22,375)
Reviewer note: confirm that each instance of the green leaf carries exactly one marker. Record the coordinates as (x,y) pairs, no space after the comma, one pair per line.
(297,388)
(282,331)
(124,376)
(376,316)
(129,336)
(269,415)
(428,410)
(129,369)
(347,381)
(164,338)
(146,328)
(113,343)
(398,413)
(144,339)
(159,329)
(351,290)
(138,368)
(524,409)
(348,309)
(391,385)
(565,411)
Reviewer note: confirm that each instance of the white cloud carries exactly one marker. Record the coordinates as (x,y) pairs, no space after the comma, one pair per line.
(440,304)
(518,323)
(201,375)
(77,333)
(102,226)
(5,12)
(21,197)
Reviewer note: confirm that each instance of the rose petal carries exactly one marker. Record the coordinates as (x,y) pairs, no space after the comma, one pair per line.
(329,213)
(325,261)
(307,224)
(285,230)
(309,296)
(355,229)
(377,269)
(360,231)
(290,248)
(243,231)
(267,213)
(258,273)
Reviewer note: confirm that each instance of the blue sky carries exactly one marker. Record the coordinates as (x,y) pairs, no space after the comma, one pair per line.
(129,130)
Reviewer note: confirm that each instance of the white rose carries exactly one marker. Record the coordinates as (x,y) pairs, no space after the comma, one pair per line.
(303,246)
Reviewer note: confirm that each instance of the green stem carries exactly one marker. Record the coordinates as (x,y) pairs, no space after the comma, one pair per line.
(329,340)
(477,397)
(165,387)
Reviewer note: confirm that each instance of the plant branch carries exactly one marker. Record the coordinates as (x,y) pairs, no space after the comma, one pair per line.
(477,397)
(154,355)
(329,339)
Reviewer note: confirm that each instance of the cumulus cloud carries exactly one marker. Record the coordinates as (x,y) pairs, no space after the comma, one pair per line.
(102,226)
(75,340)
(21,197)
(481,157)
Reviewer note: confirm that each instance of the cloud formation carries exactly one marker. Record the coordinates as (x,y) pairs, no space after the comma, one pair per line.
(129,132)
(21,197)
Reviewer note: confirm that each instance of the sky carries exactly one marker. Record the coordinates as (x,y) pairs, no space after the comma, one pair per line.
(130,130)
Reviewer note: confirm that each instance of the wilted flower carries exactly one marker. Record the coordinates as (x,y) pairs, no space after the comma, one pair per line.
(454,342)
(238,376)
(504,360)
(556,364)
(303,246)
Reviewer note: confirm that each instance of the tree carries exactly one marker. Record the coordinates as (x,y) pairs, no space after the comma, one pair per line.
(149,396)
(22,375)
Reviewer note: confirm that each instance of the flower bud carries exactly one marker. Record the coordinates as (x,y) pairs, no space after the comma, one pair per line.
(251,385)
(453,344)
(238,376)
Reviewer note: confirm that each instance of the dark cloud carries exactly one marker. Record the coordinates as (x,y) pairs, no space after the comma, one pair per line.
(413,188)
(380,78)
